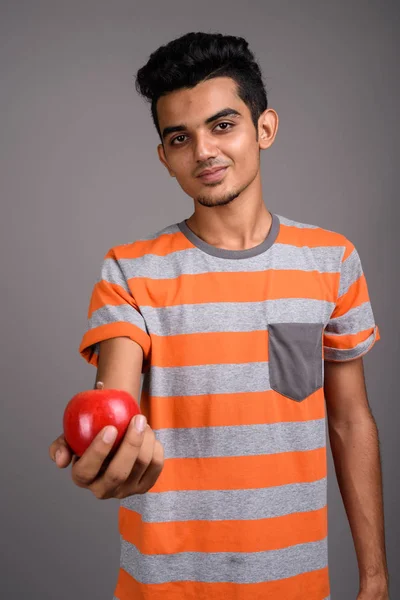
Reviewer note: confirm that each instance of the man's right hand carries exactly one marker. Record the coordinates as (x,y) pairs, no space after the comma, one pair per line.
(134,469)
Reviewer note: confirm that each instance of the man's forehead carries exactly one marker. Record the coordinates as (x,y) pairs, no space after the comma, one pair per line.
(198,103)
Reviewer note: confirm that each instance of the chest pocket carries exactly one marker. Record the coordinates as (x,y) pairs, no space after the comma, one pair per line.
(295,358)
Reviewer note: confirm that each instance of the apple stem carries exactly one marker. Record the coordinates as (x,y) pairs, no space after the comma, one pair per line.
(99,385)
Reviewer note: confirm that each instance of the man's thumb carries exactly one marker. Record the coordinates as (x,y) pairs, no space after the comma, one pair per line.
(62,457)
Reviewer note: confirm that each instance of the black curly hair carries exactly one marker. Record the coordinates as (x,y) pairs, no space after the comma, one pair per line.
(198,56)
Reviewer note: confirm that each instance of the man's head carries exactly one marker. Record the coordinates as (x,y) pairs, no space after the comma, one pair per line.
(190,83)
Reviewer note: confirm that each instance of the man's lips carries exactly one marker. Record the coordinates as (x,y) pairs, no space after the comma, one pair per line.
(212,170)
(212,175)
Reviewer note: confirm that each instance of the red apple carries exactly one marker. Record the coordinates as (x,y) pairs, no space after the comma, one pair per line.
(89,411)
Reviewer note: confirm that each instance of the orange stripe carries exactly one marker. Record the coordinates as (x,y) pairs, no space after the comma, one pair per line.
(241,472)
(235,287)
(313,586)
(256,535)
(356,295)
(174,242)
(109,293)
(161,246)
(377,338)
(296,236)
(226,347)
(213,410)
(346,342)
(111,330)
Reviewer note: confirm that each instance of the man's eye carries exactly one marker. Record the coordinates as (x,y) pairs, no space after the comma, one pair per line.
(224,123)
(172,142)
(176,138)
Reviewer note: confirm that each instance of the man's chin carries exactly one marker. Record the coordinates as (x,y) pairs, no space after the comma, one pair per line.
(211,202)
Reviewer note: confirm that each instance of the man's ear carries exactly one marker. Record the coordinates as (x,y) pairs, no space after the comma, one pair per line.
(267,128)
(161,156)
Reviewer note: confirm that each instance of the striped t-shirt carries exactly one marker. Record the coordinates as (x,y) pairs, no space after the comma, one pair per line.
(234,343)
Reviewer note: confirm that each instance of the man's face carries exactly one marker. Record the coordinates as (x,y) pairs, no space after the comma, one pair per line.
(228,141)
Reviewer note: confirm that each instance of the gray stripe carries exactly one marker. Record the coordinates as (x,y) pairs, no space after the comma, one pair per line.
(355,320)
(217,505)
(246,440)
(350,272)
(241,567)
(111,272)
(193,262)
(124,313)
(208,379)
(291,223)
(234,316)
(348,354)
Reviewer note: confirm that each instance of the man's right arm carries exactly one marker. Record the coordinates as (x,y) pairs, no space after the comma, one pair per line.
(120,365)
(140,457)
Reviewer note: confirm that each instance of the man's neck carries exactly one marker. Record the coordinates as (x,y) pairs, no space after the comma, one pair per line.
(240,231)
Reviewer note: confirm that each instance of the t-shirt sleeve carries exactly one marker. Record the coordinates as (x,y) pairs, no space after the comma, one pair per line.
(351,331)
(113,312)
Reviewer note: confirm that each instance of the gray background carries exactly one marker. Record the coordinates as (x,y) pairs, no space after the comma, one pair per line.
(80,173)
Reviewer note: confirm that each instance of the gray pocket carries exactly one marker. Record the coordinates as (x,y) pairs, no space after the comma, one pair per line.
(295,358)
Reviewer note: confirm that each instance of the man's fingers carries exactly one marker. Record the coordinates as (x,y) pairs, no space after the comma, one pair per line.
(63,458)
(135,449)
(129,463)
(153,472)
(90,464)
(60,452)
(86,468)
(144,476)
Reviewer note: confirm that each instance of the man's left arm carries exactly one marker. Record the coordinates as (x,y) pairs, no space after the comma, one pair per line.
(353,435)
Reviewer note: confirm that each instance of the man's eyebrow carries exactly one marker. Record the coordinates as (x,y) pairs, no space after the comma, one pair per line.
(225,112)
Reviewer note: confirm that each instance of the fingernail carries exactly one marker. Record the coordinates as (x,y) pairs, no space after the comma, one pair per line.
(58,456)
(109,435)
(140,423)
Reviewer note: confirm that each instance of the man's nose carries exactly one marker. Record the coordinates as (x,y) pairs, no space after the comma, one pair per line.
(204,148)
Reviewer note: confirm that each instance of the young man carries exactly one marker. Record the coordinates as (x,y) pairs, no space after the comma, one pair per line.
(243,323)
